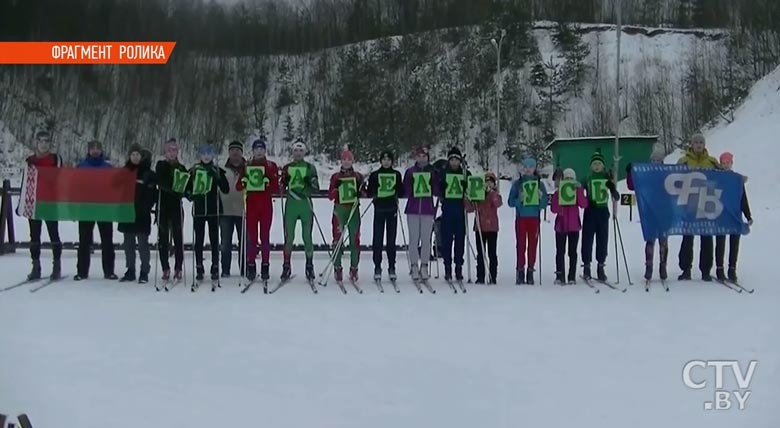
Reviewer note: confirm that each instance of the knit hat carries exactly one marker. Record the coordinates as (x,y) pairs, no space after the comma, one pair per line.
(134,148)
(658,154)
(236,145)
(529,163)
(597,156)
(454,153)
(206,149)
(42,134)
(95,144)
(569,174)
(347,156)
(387,154)
(171,143)
(726,157)
(698,138)
(299,145)
(490,176)
(259,143)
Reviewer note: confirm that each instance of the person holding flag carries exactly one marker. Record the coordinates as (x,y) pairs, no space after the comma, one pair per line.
(299,181)
(727,163)
(420,184)
(385,187)
(598,188)
(136,234)
(260,181)
(172,179)
(529,198)
(344,191)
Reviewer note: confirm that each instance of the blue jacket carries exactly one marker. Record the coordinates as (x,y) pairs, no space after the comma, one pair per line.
(451,207)
(516,202)
(91,162)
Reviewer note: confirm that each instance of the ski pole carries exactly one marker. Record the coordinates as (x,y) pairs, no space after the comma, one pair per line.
(242,242)
(469,251)
(617,260)
(435,244)
(539,239)
(403,234)
(317,222)
(340,243)
(157,247)
(623,249)
(481,242)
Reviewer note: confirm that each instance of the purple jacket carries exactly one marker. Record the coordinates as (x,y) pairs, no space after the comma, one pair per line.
(419,206)
(568,217)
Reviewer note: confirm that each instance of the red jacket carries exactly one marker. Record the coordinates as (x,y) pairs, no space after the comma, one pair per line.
(45,161)
(261,200)
(487,210)
(335,179)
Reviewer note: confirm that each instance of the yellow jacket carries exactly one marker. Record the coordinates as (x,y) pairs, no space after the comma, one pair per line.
(702,160)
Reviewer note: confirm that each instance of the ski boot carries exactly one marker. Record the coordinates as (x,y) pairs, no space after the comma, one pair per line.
(79,277)
(353,274)
(110,276)
(309,270)
(600,274)
(214,273)
(225,273)
(685,275)
(733,274)
(529,276)
(35,274)
(286,274)
(559,278)
(251,272)
(706,277)
(178,275)
(520,276)
(447,273)
(415,272)
(143,278)
(459,273)
(662,272)
(391,274)
(166,276)
(493,276)
(199,274)
(572,278)
(423,273)
(56,270)
(338,274)
(586,272)
(129,277)
(377,274)
(720,274)
(264,275)
(648,272)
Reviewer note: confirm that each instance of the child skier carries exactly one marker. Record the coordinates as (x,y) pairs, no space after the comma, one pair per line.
(420,184)
(207,208)
(567,206)
(136,234)
(95,159)
(598,187)
(727,162)
(169,211)
(528,196)
(44,158)
(344,191)
(259,209)
(452,194)
(487,213)
(299,181)
(656,157)
(385,187)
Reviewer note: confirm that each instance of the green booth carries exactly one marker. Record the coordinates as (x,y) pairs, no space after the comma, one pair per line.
(575,153)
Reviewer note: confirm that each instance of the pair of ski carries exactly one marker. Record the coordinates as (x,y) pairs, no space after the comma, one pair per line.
(378,283)
(734,285)
(284,282)
(420,283)
(214,285)
(47,283)
(590,283)
(452,283)
(354,285)
(663,283)
(249,284)
(168,285)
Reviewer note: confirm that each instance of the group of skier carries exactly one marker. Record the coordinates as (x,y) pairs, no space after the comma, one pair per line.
(237,199)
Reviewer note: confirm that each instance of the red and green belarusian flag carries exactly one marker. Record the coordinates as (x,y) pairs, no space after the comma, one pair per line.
(78,194)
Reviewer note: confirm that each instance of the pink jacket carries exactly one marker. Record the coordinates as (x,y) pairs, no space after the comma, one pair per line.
(568,217)
(487,210)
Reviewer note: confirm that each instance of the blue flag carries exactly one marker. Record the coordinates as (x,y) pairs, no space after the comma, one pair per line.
(678,200)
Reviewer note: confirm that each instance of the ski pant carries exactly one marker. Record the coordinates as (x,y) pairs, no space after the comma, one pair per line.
(595,224)
(420,231)
(384,221)
(86,238)
(140,241)
(36,228)
(170,227)
(336,228)
(298,209)
(453,231)
(263,218)
(228,224)
(705,254)
(663,251)
(720,250)
(199,223)
(561,239)
(489,239)
(527,238)
(349,220)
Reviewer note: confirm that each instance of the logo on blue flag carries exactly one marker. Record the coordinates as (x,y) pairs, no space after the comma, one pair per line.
(678,200)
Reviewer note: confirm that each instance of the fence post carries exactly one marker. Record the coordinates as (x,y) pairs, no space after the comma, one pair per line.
(7,221)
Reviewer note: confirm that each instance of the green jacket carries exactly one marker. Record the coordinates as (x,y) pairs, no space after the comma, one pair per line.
(297,186)
(702,160)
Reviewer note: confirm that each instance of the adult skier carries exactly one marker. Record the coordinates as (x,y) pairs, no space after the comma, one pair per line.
(299,181)
(697,157)
(264,178)
(344,191)
(656,157)
(420,184)
(169,211)
(44,158)
(528,208)
(232,219)
(727,162)
(206,180)
(595,221)
(136,234)
(95,159)
(385,187)
(453,229)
